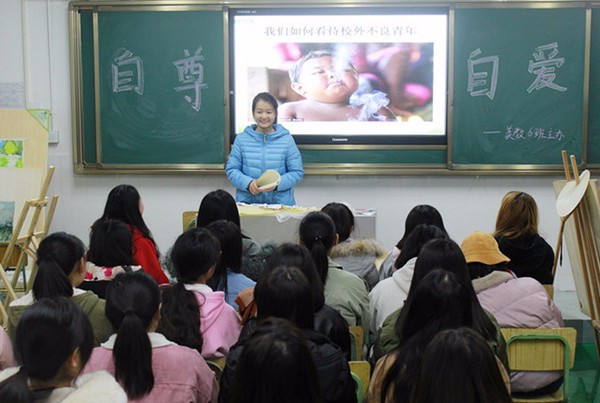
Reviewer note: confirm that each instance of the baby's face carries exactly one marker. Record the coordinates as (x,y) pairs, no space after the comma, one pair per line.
(324,79)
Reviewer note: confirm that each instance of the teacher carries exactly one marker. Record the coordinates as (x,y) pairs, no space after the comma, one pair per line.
(262,146)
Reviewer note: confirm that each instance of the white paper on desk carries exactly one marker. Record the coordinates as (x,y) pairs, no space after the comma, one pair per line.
(286,215)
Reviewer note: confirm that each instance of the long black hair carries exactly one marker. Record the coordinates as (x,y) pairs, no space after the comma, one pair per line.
(421,214)
(230,239)
(111,244)
(417,238)
(317,233)
(57,256)
(343,218)
(47,335)
(194,253)
(132,302)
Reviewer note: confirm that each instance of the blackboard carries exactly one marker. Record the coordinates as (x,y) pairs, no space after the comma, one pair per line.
(593,143)
(152,91)
(535,57)
(513,130)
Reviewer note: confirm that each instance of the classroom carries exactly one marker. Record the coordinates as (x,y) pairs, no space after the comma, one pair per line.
(36,66)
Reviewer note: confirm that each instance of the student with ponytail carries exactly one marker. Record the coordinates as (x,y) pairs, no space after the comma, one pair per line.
(61,269)
(54,341)
(344,291)
(144,362)
(194,315)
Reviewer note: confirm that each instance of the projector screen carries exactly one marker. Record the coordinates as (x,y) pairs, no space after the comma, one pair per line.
(344,75)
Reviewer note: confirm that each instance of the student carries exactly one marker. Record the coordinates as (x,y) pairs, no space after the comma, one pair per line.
(345,292)
(263,146)
(442,253)
(327,84)
(228,276)
(54,340)
(276,366)
(285,293)
(515,302)
(124,203)
(438,302)
(421,214)
(109,254)
(192,314)
(389,295)
(61,269)
(459,367)
(220,205)
(356,256)
(328,321)
(145,363)
(518,238)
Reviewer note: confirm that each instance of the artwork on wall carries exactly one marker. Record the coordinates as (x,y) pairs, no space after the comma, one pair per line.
(7,212)
(11,153)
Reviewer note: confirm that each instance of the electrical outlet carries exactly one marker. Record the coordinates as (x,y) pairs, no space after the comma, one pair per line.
(53,137)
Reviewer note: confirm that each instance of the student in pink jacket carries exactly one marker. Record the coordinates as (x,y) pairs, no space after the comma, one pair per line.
(146,363)
(517,302)
(194,315)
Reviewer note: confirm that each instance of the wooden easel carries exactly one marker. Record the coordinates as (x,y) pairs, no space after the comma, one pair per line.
(585,259)
(28,242)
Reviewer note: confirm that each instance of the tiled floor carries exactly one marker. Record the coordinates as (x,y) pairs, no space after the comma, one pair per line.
(585,375)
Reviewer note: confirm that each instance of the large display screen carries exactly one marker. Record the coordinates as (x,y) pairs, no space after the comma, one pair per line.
(344,75)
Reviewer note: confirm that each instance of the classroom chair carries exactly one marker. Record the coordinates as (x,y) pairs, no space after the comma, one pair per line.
(217,365)
(357,339)
(361,373)
(542,350)
(188,219)
(550,290)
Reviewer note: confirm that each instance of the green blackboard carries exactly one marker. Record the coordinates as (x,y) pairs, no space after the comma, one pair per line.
(518,86)
(153,90)
(593,143)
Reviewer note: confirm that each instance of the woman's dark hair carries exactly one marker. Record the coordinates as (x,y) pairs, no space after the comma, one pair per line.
(317,233)
(439,301)
(284,292)
(342,217)
(293,255)
(459,366)
(276,366)
(478,269)
(230,239)
(444,253)
(57,256)
(194,253)
(421,214)
(265,96)
(123,203)
(415,240)
(48,333)
(217,205)
(132,301)
(111,244)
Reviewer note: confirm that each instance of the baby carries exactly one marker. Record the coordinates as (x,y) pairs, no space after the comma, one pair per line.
(327,85)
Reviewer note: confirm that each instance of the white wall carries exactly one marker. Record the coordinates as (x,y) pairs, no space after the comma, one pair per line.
(467,203)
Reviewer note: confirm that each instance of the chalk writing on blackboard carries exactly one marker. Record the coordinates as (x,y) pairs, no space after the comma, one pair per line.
(127,72)
(190,73)
(544,67)
(515,133)
(480,77)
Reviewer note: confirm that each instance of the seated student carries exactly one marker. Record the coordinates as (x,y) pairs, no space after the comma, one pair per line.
(355,256)
(438,302)
(192,314)
(328,321)
(7,357)
(459,367)
(518,238)
(421,214)
(109,254)
(285,293)
(389,295)
(145,363)
(345,292)
(220,205)
(54,341)
(443,254)
(327,86)
(228,276)
(124,203)
(515,302)
(276,366)
(61,269)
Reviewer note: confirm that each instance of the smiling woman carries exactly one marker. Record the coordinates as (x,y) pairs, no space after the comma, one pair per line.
(265,145)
